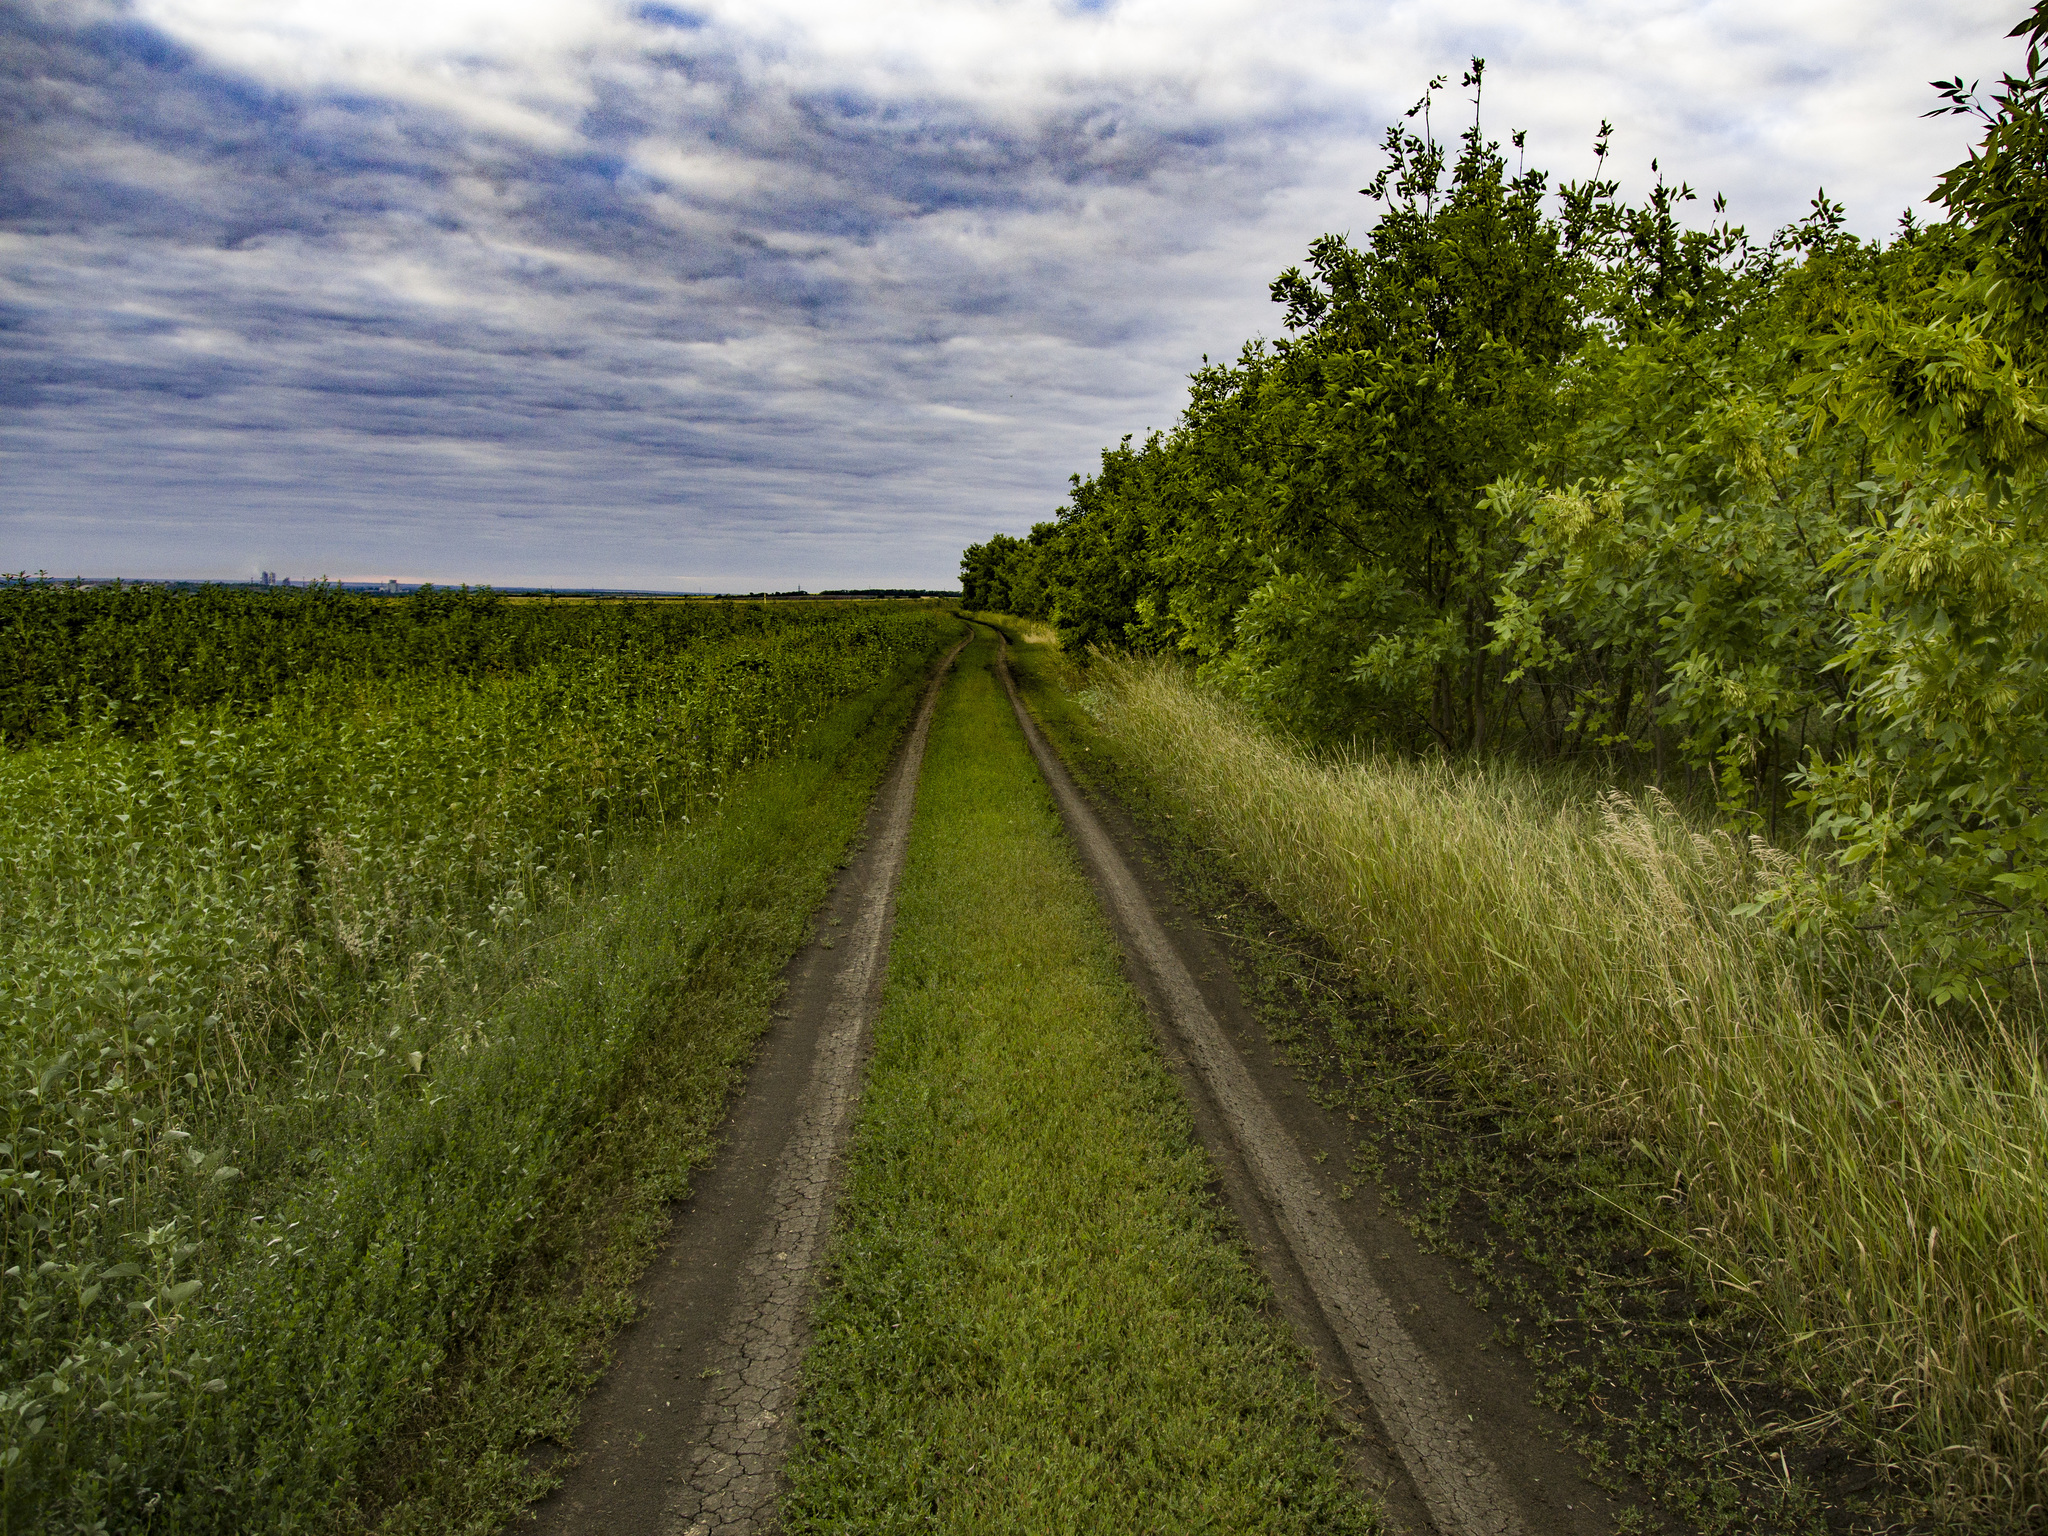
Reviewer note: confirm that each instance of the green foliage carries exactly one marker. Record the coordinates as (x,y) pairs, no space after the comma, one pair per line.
(1759,519)
(1314,528)
(1673,597)
(129,657)
(1937,812)
(260,1160)
(1422,365)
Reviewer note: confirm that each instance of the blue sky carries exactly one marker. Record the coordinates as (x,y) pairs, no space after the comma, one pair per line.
(725,296)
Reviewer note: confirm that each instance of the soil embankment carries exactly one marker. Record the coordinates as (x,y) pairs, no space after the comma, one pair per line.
(686,1433)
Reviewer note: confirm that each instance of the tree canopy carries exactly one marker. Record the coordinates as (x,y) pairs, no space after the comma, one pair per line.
(1548,473)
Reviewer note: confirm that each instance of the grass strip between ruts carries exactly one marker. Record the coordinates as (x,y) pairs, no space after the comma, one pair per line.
(1036,1320)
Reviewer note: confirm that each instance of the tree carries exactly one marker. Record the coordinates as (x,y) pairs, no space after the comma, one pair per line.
(1941,811)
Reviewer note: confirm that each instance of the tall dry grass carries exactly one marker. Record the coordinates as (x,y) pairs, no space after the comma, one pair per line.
(1872,1176)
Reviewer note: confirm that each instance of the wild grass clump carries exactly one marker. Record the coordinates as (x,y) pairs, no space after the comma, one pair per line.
(1870,1174)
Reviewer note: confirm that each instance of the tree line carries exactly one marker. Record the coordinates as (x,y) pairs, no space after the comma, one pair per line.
(1545,472)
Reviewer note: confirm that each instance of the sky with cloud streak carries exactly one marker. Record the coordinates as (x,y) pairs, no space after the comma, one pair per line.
(729,296)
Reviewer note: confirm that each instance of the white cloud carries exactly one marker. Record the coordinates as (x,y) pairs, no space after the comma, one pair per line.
(493,289)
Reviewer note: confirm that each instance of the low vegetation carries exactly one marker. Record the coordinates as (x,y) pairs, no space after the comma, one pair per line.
(268,1144)
(1036,1320)
(1853,1165)
(683,948)
(127,658)
(1665,1385)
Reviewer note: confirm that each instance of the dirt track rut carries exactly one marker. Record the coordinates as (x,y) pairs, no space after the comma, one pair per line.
(686,1434)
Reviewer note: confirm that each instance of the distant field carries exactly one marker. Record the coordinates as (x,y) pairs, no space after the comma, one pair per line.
(123,658)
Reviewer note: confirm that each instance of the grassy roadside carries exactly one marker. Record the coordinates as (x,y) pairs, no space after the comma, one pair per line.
(1036,1320)
(1856,1172)
(680,948)
(1655,1373)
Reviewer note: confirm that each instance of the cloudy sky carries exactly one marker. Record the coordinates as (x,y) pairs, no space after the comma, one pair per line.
(720,296)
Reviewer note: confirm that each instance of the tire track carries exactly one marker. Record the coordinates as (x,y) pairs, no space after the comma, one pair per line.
(687,1434)
(1434,1439)
(734,1470)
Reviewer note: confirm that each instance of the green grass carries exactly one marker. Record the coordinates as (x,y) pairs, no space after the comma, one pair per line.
(1655,1377)
(328,1177)
(1036,1318)
(1857,1175)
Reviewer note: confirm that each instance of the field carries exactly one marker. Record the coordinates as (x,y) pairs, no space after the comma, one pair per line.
(306,1020)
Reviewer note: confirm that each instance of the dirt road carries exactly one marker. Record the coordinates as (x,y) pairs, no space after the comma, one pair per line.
(686,1434)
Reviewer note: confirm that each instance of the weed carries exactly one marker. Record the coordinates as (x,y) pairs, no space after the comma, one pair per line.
(282,1092)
